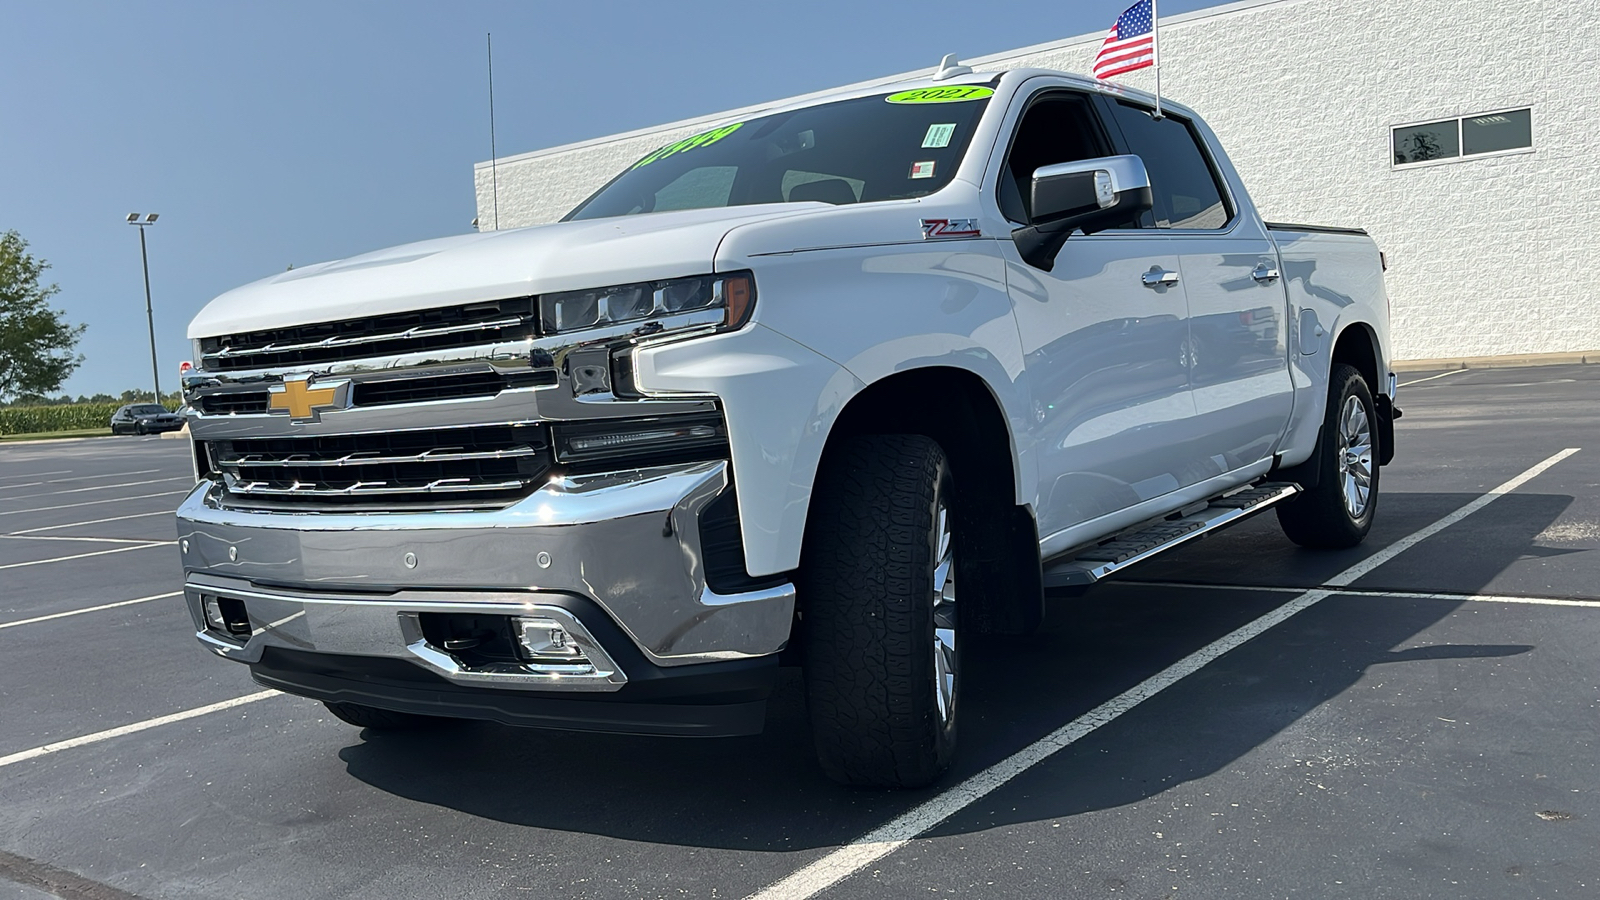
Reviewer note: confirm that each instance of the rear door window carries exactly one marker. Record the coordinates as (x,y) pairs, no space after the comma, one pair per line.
(1187,192)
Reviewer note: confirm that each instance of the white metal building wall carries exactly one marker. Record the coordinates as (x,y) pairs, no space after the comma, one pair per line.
(1486,256)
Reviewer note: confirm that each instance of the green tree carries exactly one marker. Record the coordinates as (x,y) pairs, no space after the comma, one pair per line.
(36,341)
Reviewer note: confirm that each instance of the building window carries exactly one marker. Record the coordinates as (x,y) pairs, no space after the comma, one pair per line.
(1497,132)
(1507,131)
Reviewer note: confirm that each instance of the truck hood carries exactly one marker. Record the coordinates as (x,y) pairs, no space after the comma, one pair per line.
(487,266)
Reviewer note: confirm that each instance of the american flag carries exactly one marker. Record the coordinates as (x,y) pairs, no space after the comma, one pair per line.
(1131,43)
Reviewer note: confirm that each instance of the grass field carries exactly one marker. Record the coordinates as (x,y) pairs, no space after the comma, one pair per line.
(56,435)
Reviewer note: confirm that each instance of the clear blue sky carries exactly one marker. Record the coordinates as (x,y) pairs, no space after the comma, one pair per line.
(293,132)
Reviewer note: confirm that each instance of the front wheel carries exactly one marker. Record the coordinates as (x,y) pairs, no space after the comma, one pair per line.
(1338,512)
(879,623)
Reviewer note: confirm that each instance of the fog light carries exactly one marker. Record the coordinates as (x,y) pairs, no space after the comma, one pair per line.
(214,615)
(546,639)
(226,615)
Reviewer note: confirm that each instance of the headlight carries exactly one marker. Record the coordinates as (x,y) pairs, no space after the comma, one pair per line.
(734,294)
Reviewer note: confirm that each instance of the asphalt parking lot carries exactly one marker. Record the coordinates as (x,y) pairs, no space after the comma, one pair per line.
(1240,718)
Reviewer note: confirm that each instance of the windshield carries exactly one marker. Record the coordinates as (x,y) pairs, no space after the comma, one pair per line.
(883,147)
(149,410)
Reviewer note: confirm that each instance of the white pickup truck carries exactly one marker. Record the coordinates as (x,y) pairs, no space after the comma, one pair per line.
(766,399)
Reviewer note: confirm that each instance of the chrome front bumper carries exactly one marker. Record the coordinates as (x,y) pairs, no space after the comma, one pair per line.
(391,627)
(353,583)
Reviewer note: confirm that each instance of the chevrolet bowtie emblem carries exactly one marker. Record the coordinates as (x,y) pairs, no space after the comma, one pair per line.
(304,403)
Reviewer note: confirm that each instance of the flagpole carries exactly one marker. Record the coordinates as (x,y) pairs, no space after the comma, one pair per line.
(1155,43)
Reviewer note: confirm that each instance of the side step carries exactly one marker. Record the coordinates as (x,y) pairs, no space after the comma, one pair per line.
(1117,553)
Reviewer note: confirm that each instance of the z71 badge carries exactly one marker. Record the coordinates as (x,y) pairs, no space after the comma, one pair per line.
(949,228)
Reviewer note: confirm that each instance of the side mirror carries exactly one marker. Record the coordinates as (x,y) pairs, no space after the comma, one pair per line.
(1091,195)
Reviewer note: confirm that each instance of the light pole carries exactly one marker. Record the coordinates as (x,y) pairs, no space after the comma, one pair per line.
(150,317)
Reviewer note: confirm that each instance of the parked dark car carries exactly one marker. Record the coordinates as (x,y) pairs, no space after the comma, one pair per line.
(144,418)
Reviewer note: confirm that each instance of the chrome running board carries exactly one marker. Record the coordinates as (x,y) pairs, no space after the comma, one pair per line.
(1095,562)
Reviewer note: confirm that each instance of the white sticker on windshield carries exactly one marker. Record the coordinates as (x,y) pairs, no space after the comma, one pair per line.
(922,169)
(939,135)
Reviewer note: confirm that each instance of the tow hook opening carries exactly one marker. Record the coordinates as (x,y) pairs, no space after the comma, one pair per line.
(226,616)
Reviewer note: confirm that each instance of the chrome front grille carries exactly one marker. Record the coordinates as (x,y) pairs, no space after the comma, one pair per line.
(233,403)
(386,335)
(386,390)
(491,465)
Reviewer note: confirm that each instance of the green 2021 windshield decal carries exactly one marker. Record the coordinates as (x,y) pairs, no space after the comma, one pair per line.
(952,94)
(703,139)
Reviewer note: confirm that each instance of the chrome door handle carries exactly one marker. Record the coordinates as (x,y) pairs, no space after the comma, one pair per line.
(1158,276)
(1264,273)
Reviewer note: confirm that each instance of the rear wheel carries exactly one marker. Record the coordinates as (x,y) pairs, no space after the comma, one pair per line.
(1338,512)
(879,625)
(372,717)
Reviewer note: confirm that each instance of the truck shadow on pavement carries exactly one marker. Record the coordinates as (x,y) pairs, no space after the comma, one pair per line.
(766,793)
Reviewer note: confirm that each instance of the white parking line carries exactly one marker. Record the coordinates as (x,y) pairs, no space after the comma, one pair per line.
(37,474)
(98,487)
(1432,377)
(159,512)
(7,487)
(136,727)
(41,562)
(90,609)
(15,512)
(1364,592)
(91,540)
(901,830)
(106,475)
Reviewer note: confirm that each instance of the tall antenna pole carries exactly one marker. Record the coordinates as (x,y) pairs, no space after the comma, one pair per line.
(1155,46)
(494,162)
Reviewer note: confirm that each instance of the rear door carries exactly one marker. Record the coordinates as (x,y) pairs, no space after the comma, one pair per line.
(1236,353)
(1102,348)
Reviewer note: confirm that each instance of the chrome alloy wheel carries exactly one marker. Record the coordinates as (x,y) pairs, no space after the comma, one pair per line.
(1355,457)
(944,616)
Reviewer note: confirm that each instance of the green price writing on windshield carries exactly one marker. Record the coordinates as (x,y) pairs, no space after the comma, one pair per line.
(703,139)
(952,94)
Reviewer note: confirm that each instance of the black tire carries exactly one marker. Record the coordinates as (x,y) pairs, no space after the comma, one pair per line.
(139,428)
(382,719)
(1320,517)
(867,581)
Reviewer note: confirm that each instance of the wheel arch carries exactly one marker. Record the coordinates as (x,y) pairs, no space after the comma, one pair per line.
(1358,345)
(958,409)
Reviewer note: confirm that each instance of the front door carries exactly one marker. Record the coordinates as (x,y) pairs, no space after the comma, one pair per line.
(1103,349)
